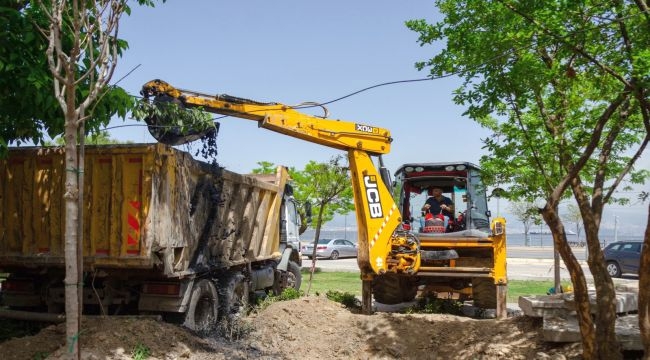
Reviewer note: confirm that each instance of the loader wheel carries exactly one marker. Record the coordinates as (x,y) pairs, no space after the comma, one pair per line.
(484,292)
(392,289)
(234,297)
(203,308)
(294,277)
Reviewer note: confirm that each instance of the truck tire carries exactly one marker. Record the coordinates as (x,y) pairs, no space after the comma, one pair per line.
(393,289)
(234,297)
(294,277)
(484,292)
(203,308)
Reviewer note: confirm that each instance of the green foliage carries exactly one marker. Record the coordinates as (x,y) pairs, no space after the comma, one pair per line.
(100,138)
(28,107)
(140,352)
(287,294)
(326,185)
(543,77)
(430,305)
(173,116)
(347,299)
(265,168)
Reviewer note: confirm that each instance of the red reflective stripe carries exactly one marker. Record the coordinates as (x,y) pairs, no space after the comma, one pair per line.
(134,223)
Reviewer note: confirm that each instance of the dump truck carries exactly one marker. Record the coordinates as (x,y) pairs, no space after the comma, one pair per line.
(395,261)
(163,233)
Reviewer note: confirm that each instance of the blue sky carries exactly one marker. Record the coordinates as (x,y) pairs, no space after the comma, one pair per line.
(293,51)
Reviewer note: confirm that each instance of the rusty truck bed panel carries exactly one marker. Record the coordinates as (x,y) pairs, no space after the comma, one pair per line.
(145,205)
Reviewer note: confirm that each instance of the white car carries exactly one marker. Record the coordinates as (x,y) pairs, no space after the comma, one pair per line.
(330,248)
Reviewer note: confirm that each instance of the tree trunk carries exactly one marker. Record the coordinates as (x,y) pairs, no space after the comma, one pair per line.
(71,280)
(644,291)
(605,318)
(581,295)
(608,346)
(313,253)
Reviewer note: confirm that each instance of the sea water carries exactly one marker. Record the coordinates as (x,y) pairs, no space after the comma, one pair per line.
(514,239)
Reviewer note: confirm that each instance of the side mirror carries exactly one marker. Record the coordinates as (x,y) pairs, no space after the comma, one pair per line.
(499,228)
(308,212)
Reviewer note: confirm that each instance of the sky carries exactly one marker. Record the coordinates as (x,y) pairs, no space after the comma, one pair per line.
(294,51)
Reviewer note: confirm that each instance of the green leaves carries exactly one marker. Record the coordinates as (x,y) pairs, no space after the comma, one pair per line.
(542,76)
(28,109)
(325,185)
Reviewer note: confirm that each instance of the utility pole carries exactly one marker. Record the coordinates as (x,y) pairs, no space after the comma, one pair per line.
(615,228)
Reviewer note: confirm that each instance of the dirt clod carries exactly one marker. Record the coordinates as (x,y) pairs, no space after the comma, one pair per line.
(306,328)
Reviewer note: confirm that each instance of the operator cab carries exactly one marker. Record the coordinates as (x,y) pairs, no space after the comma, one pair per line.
(459,181)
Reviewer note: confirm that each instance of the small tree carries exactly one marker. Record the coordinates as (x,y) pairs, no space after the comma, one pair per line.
(526,212)
(329,188)
(573,215)
(82,52)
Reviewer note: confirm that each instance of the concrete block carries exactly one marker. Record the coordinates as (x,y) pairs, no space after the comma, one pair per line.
(559,329)
(626,302)
(628,332)
(543,305)
(625,285)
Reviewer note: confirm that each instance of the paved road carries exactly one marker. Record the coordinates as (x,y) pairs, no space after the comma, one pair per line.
(524,263)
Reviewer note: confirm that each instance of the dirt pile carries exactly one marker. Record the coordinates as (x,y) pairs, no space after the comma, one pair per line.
(306,328)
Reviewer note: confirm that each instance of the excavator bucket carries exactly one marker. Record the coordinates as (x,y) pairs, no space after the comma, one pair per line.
(166,127)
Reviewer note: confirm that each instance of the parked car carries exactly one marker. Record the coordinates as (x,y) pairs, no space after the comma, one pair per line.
(330,248)
(623,257)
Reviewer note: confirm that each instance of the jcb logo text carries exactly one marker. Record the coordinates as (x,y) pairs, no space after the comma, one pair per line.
(372,195)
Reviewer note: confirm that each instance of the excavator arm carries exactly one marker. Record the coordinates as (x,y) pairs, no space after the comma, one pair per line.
(382,247)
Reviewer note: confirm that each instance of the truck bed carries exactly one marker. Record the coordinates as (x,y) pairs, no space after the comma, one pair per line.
(145,206)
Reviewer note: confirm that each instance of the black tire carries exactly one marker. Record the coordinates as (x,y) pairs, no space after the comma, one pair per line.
(294,277)
(203,309)
(613,269)
(392,289)
(484,293)
(234,297)
(334,255)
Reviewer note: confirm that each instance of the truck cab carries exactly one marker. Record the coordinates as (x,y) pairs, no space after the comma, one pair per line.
(290,223)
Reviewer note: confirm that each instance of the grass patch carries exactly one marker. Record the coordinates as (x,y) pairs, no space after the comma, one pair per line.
(435,306)
(348,300)
(140,352)
(287,294)
(322,282)
(350,282)
(517,288)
